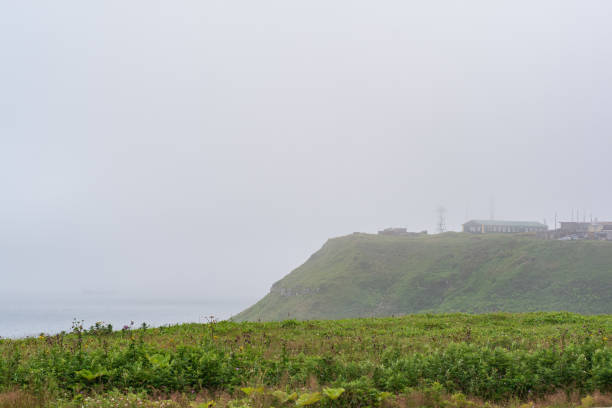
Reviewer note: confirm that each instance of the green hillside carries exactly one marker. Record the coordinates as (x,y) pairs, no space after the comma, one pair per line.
(371,275)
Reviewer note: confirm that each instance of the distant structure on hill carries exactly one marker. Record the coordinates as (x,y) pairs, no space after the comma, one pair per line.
(401,232)
(572,227)
(507,227)
(571,230)
(606,232)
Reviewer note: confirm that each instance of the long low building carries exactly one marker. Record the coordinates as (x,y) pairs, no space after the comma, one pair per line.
(494,226)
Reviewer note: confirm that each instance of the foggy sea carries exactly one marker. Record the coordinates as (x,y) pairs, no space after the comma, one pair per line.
(21,317)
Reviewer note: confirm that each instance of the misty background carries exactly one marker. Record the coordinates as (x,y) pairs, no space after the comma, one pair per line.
(204,149)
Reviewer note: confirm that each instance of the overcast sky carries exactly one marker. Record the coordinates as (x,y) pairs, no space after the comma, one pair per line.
(207,148)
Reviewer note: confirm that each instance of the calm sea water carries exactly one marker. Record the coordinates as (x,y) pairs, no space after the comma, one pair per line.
(30,317)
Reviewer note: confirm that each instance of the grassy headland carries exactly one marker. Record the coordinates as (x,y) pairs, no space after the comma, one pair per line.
(364,275)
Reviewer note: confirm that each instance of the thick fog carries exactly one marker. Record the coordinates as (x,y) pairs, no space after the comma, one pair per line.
(207,148)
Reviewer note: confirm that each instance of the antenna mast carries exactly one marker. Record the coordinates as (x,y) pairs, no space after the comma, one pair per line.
(441,219)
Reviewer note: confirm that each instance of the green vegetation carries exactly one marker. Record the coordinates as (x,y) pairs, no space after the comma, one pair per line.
(364,275)
(449,360)
(422,360)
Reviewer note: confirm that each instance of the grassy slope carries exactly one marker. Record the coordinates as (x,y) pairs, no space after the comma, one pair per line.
(371,275)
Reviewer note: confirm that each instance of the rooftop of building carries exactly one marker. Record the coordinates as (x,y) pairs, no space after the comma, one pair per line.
(508,223)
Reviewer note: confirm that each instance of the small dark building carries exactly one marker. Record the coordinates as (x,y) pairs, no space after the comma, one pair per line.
(401,232)
(493,226)
(393,231)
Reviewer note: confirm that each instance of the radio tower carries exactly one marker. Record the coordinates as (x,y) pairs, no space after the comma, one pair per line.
(441,219)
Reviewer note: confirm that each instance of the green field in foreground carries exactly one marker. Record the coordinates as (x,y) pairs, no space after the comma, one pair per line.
(447,360)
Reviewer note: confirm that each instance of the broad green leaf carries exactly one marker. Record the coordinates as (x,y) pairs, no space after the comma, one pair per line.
(384,395)
(88,375)
(209,404)
(281,396)
(252,390)
(333,393)
(159,360)
(308,399)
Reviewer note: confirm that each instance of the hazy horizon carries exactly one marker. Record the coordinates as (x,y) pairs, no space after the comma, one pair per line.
(205,149)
